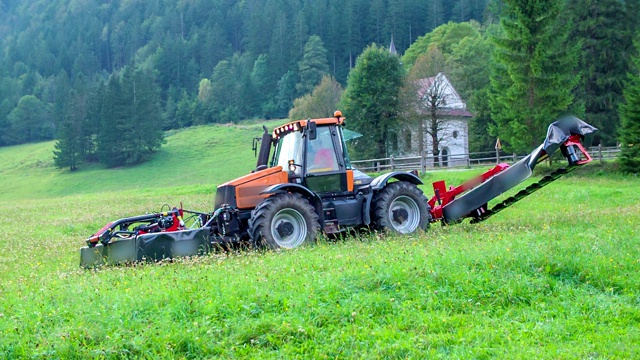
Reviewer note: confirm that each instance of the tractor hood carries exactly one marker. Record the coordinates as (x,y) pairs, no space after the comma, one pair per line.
(244,192)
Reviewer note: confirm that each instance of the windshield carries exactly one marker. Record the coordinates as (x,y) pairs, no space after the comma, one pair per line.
(290,147)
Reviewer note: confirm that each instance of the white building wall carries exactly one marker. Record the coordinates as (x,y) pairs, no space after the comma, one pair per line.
(457,147)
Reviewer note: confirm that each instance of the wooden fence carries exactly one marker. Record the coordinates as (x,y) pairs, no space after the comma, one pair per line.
(471,160)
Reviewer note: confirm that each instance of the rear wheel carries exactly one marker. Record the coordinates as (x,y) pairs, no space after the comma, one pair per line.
(401,208)
(283,221)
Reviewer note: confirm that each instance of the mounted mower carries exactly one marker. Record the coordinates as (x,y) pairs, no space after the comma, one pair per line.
(308,185)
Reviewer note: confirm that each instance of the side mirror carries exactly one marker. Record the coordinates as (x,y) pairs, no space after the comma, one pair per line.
(311,129)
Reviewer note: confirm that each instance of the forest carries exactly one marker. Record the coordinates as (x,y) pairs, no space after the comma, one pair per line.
(106,78)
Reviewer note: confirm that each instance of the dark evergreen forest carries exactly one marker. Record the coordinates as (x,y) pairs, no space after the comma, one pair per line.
(95,67)
(46,43)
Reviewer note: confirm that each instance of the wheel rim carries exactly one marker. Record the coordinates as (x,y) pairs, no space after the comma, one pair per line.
(404,214)
(288,228)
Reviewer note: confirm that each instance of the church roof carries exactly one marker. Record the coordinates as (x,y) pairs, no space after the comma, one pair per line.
(392,47)
(453,104)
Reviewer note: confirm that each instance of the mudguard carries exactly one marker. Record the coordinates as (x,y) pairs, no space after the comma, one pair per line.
(315,200)
(380,182)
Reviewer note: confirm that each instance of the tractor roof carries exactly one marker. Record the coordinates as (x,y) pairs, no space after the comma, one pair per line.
(338,119)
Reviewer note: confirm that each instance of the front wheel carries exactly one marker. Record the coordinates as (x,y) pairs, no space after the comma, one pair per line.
(283,221)
(401,208)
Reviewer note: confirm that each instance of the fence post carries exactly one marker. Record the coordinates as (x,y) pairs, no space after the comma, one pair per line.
(515,157)
(468,161)
(377,165)
(391,162)
(600,153)
(423,162)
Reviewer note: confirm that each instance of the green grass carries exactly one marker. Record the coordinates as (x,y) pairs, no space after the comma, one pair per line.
(554,276)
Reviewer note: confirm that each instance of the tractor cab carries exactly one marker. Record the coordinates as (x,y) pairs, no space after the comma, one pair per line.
(314,154)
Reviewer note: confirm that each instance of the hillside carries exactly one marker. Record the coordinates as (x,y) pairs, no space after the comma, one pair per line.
(193,159)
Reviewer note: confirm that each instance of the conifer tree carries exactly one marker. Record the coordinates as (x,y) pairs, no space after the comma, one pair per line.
(604,31)
(131,121)
(533,76)
(261,87)
(67,151)
(371,100)
(286,93)
(71,146)
(114,131)
(145,114)
(312,66)
(630,114)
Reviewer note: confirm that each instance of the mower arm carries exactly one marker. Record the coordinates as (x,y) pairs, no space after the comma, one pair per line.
(105,234)
(121,226)
(566,134)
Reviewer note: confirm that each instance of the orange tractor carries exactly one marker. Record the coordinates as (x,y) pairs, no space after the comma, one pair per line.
(307,185)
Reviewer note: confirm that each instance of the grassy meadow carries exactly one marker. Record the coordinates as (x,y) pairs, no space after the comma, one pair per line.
(554,276)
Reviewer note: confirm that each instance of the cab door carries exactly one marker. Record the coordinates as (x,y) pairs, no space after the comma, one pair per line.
(325,168)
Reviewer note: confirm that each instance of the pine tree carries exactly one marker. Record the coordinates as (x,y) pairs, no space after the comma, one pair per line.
(312,66)
(371,100)
(67,151)
(286,93)
(145,114)
(435,14)
(131,121)
(533,75)
(230,86)
(113,133)
(375,25)
(603,29)
(630,114)
(279,51)
(72,146)
(261,86)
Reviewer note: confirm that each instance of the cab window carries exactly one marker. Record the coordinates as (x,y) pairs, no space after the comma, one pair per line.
(321,155)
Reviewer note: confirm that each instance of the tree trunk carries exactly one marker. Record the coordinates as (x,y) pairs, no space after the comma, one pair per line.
(435,143)
(421,148)
(436,152)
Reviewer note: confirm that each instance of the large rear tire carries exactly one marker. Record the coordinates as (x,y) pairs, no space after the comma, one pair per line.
(283,221)
(401,208)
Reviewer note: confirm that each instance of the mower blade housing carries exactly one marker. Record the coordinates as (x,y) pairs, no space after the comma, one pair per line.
(148,247)
(459,208)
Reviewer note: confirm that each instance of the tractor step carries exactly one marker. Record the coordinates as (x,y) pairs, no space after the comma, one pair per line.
(331,227)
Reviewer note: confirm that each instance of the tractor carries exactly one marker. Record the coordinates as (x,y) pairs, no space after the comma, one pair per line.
(304,184)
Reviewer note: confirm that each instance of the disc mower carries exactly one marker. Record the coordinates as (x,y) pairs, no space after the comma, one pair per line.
(303,184)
